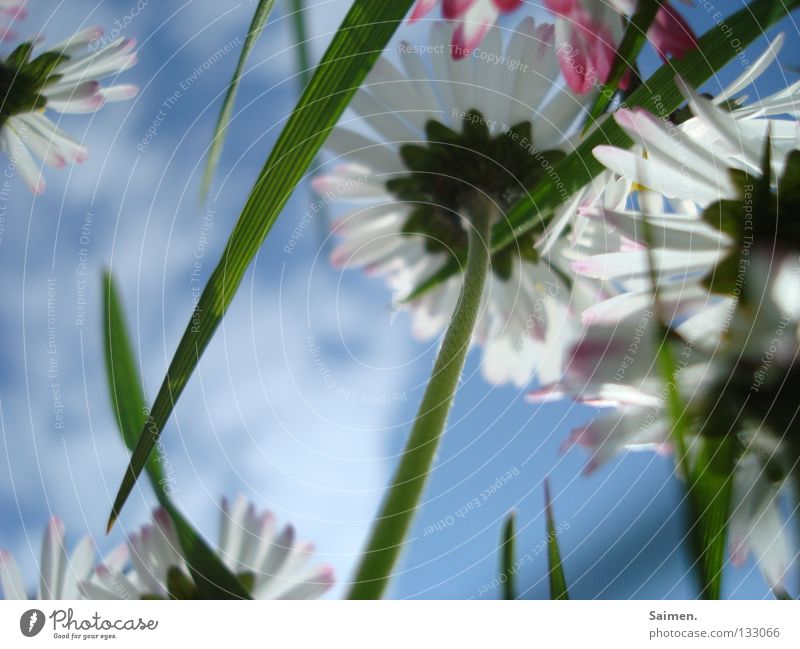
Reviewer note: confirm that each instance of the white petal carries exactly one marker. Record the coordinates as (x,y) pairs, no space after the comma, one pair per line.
(120,92)
(383,120)
(400,96)
(25,164)
(11,578)
(723,123)
(54,561)
(312,587)
(79,567)
(753,71)
(364,151)
(658,176)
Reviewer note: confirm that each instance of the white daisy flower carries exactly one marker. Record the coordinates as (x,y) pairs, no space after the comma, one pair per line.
(494,124)
(689,162)
(66,79)
(764,314)
(680,170)
(270,562)
(748,335)
(60,576)
(757,524)
(614,367)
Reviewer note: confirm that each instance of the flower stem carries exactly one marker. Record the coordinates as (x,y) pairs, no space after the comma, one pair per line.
(398,508)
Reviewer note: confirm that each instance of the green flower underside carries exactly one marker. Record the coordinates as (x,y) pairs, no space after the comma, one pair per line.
(22,80)
(446,171)
(758,217)
(738,411)
(751,394)
(181,586)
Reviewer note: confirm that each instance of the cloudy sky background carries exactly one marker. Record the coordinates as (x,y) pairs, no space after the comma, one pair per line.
(304,397)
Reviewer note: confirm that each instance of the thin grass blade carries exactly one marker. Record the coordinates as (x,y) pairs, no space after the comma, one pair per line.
(257,25)
(558,582)
(507,569)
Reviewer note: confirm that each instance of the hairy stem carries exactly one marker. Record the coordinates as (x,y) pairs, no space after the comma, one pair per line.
(398,509)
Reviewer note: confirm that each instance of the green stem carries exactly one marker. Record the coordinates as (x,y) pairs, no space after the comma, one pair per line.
(708,484)
(394,520)
(665,360)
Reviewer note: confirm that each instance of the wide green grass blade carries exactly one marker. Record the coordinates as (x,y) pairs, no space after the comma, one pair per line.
(360,40)
(558,582)
(507,569)
(257,25)
(659,94)
(629,48)
(213,579)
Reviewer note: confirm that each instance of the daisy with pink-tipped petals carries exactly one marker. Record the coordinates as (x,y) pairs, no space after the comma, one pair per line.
(11,11)
(615,368)
(589,31)
(424,138)
(475,18)
(60,576)
(65,79)
(268,559)
(688,163)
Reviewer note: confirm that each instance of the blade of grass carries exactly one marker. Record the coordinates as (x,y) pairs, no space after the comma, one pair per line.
(710,490)
(400,504)
(356,46)
(212,577)
(260,17)
(507,569)
(659,94)
(629,48)
(558,582)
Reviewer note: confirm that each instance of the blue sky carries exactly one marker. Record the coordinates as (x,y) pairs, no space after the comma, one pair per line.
(261,415)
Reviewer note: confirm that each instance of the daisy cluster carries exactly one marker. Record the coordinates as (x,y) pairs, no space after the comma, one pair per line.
(62,79)
(682,243)
(268,559)
(646,255)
